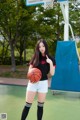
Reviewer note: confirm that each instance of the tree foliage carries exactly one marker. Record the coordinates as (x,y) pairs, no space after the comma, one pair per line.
(15,23)
(21,26)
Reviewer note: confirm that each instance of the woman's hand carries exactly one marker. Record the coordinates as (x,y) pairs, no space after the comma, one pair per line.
(48,60)
(52,68)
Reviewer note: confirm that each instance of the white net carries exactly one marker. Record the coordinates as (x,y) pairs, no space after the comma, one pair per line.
(48,4)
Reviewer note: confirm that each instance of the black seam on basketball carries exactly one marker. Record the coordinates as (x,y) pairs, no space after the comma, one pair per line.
(35,77)
(33,74)
(38,79)
(38,75)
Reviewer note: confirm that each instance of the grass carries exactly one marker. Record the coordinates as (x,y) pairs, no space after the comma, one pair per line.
(16,74)
(21,71)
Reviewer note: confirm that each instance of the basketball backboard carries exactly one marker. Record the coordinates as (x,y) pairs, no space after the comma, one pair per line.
(47,2)
(34,2)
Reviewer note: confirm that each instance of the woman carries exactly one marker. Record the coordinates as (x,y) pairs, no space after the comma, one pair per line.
(46,64)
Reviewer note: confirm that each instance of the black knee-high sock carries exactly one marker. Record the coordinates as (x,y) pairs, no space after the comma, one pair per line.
(39,111)
(26,111)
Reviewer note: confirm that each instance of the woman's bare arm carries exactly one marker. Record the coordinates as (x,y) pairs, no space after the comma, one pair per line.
(30,67)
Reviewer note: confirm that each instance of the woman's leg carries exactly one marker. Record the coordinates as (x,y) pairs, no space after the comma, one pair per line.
(41,100)
(29,100)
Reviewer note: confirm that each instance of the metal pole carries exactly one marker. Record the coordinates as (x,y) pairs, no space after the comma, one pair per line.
(65,10)
(66,26)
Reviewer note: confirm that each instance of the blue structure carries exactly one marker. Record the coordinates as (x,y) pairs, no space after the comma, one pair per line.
(67,75)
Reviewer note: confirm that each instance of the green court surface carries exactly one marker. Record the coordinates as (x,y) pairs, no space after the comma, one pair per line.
(61,106)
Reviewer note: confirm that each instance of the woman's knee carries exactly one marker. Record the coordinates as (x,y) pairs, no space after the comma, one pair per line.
(30,96)
(41,97)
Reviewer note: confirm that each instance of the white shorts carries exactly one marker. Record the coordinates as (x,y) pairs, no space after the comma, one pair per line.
(41,86)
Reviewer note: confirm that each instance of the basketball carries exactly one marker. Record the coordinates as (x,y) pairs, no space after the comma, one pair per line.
(34,75)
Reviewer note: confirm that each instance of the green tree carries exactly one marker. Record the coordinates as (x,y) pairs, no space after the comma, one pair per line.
(15,24)
(75,18)
(49,21)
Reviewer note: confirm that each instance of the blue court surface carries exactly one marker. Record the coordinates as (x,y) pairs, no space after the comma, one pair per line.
(60,106)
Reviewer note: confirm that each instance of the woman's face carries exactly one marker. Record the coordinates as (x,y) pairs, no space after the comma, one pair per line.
(42,48)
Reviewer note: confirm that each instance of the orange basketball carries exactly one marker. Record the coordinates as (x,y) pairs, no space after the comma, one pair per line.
(34,75)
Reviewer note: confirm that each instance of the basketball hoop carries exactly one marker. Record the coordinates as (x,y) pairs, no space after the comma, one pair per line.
(48,4)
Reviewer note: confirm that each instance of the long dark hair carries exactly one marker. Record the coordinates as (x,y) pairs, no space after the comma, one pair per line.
(37,54)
